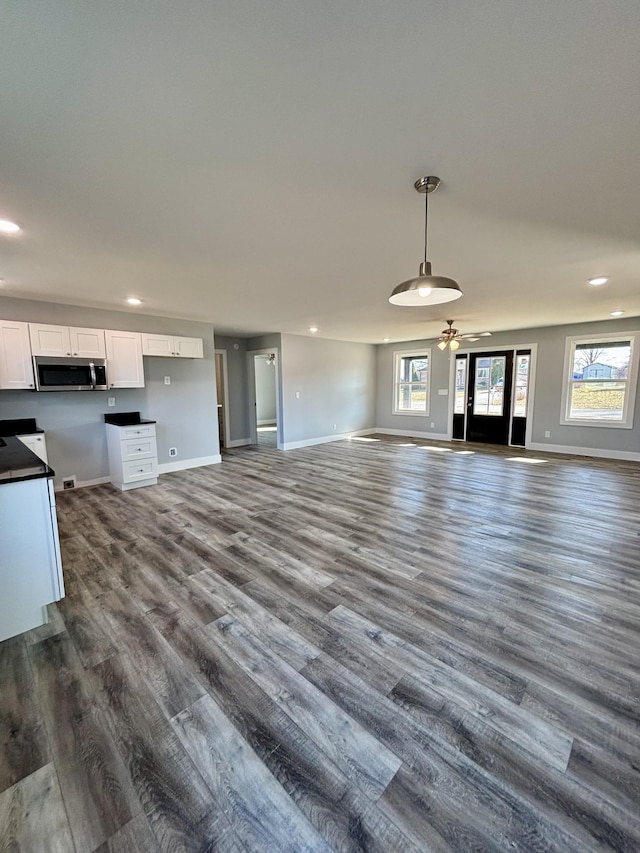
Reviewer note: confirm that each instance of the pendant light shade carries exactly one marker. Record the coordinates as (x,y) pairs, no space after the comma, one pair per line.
(426,289)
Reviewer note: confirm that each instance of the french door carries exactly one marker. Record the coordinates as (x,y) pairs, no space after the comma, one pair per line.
(491,396)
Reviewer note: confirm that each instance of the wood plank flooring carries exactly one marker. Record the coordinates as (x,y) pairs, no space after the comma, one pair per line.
(376,645)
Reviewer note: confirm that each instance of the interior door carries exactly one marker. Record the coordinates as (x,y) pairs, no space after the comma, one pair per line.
(489,397)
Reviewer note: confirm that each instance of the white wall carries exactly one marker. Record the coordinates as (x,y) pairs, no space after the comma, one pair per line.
(74,421)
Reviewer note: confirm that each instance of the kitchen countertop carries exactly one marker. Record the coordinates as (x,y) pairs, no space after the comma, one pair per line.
(126,419)
(18,463)
(19,426)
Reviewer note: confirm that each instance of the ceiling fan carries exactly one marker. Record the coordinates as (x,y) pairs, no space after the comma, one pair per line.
(451,337)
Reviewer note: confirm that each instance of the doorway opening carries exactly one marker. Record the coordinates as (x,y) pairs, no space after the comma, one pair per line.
(222,398)
(492,396)
(265,398)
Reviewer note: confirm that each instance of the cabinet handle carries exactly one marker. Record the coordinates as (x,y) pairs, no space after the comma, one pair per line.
(31,385)
(75,353)
(68,353)
(141,471)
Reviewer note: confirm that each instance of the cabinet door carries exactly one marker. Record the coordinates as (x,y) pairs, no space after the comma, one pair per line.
(188,347)
(16,368)
(49,340)
(36,444)
(158,345)
(124,359)
(87,343)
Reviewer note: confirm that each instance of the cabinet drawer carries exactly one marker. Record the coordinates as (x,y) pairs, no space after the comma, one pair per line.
(138,448)
(137,431)
(143,469)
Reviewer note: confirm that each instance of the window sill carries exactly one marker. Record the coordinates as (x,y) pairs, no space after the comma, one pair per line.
(597,424)
(412,414)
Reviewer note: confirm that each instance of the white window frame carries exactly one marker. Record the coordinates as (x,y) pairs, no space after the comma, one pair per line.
(632,380)
(397,356)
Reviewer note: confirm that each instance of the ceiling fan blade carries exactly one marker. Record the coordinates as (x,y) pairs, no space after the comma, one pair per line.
(475,335)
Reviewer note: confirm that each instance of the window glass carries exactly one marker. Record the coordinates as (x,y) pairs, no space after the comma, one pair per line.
(461,386)
(488,395)
(411,383)
(600,377)
(521,395)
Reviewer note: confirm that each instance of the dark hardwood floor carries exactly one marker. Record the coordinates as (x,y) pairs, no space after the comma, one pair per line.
(367,645)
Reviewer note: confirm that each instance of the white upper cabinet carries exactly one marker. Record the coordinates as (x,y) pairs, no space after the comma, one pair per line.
(16,368)
(171,346)
(66,341)
(124,359)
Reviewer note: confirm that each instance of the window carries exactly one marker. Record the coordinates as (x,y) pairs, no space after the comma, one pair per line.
(411,383)
(599,382)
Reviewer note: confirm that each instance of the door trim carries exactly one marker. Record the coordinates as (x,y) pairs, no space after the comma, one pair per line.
(532,381)
(251,376)
(225,395)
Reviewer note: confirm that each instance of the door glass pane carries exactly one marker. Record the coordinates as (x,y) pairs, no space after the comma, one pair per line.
(488,395)
(521,395)
(461,386)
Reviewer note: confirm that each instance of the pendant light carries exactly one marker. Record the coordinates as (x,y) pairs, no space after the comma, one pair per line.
(426,289)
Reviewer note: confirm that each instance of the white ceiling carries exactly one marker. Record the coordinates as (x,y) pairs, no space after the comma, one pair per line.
(252,164)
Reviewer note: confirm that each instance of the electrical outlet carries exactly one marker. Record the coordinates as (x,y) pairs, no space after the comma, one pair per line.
(547,433)
(297,395)
(432,425)
(173,451)
(167,380)
(111,401)
(335,426)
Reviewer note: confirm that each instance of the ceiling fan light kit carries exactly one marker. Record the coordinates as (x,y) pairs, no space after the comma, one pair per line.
(426,289)
(451,337)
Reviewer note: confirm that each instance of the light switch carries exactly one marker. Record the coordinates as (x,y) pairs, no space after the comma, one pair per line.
(443,392)
(111,401)
(167,380)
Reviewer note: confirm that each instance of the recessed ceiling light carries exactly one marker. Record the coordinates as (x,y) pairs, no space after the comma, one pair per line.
(313,329)
(598,280)
(617,313)
(8,227)
(385,340)
(133,300)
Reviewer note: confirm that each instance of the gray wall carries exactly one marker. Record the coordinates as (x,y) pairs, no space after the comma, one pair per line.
(336,382)
(265,390)
(547,389)
(73,421)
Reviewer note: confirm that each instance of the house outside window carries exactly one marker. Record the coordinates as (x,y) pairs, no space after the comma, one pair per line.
(411,382)
(600,377)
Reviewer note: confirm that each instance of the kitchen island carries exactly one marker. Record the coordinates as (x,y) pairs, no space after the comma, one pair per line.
(30,564)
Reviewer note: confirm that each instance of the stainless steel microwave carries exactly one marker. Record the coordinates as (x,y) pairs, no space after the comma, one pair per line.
(70,374)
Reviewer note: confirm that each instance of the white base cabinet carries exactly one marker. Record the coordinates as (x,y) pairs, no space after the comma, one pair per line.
(133,455)
(30,566)
(37,444)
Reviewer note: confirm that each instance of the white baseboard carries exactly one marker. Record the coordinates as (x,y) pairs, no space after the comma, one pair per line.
(626,455)
(436,436)
(238,442)
(325,439)
(183,464)
(80,484)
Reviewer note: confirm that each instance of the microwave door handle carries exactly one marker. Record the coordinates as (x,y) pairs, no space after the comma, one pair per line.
(94,380)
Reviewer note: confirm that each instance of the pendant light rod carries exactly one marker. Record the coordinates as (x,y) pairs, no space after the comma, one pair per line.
(426,289)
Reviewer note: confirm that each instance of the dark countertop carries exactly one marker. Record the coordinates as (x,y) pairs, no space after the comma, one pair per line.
(19,426)
(18,463)
(126,419)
